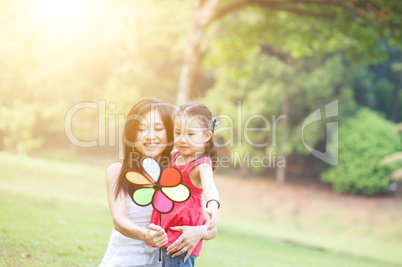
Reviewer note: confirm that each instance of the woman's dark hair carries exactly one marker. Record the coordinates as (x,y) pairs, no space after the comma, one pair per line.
(202,112)
(132,158)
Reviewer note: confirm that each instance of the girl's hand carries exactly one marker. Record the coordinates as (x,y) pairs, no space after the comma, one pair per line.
(212,211)
(156,236)
(186,243)
(211,223)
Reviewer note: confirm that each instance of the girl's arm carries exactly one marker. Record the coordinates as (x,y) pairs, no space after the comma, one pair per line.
(154,235)
(191,235)
(211,229)
(205,173)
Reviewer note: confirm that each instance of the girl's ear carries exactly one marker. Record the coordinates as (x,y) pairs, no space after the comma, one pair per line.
(208,136)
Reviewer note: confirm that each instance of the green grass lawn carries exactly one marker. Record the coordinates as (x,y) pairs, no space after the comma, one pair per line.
(56,214)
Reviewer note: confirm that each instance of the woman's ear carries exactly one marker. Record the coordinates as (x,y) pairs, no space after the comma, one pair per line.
(208,136)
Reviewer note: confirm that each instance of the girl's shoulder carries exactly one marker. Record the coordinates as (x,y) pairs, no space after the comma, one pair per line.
(201,167)
(201,164)
(202,160)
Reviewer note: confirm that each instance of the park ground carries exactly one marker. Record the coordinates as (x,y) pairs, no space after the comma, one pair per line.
(55,213)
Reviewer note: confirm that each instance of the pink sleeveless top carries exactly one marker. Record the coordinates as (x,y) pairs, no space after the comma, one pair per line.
(185,213)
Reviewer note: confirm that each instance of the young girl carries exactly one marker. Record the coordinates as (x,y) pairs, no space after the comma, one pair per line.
(148,132)
(195,158)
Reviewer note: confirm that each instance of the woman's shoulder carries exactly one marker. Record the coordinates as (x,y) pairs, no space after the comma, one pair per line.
(113,170)
(116,166)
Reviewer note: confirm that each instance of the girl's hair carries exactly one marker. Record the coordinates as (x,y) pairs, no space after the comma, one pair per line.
(205,117)
(132,158)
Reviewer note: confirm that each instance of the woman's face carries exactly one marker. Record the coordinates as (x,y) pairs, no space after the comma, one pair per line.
(151,136)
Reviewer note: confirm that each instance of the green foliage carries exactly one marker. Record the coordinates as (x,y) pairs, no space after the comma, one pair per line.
(375,83)
(364,140)
(251,93)
(17,127)
(306,61)
(312,28)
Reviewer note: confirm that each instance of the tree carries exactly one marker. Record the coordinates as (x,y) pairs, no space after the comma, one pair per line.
(351,18)
(396,160)
(248,97)
(296,28)
(377,85)
(364,140)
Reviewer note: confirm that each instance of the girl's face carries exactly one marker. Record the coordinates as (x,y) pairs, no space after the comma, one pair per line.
(190,135)
(151,136)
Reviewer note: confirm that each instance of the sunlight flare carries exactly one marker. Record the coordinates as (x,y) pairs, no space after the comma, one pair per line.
(62,15)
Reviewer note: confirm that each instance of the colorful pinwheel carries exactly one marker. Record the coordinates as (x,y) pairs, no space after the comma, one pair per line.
(160,189)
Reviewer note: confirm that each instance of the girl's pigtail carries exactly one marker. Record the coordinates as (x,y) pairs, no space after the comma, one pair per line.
(211,151)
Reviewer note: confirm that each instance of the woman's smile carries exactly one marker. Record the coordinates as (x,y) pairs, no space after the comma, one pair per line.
(151,145)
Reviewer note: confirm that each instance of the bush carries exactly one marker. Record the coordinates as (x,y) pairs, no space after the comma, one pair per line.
(17,128)
(364,140)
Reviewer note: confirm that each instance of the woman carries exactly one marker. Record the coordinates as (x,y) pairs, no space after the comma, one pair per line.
(148,132)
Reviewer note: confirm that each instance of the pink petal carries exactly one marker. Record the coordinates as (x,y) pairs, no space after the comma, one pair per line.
(161,203)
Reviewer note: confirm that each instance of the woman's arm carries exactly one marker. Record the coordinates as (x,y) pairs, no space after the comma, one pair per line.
(189,238)
(154,235)
(191,235)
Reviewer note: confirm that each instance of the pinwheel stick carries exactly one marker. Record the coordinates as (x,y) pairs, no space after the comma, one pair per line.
(160,249)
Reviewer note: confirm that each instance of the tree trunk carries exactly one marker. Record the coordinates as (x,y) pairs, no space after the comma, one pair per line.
(281,171)
(394,106)
(204,12)
(190,67)
(281,174)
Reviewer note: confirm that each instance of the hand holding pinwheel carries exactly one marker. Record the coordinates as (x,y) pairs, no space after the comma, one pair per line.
(160,189)
(156,236)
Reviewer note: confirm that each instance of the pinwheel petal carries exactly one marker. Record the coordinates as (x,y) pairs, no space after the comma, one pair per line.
(161,203)
(170,177)
(152,168)
(137,178)
(178,193)
(143,196)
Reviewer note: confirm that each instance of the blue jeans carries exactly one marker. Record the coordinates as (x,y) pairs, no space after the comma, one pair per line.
(168,261)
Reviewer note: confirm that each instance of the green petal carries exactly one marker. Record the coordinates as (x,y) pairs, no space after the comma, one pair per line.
(143,196)
(178,193)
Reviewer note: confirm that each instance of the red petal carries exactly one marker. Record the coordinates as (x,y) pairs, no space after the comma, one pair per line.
(170,177)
